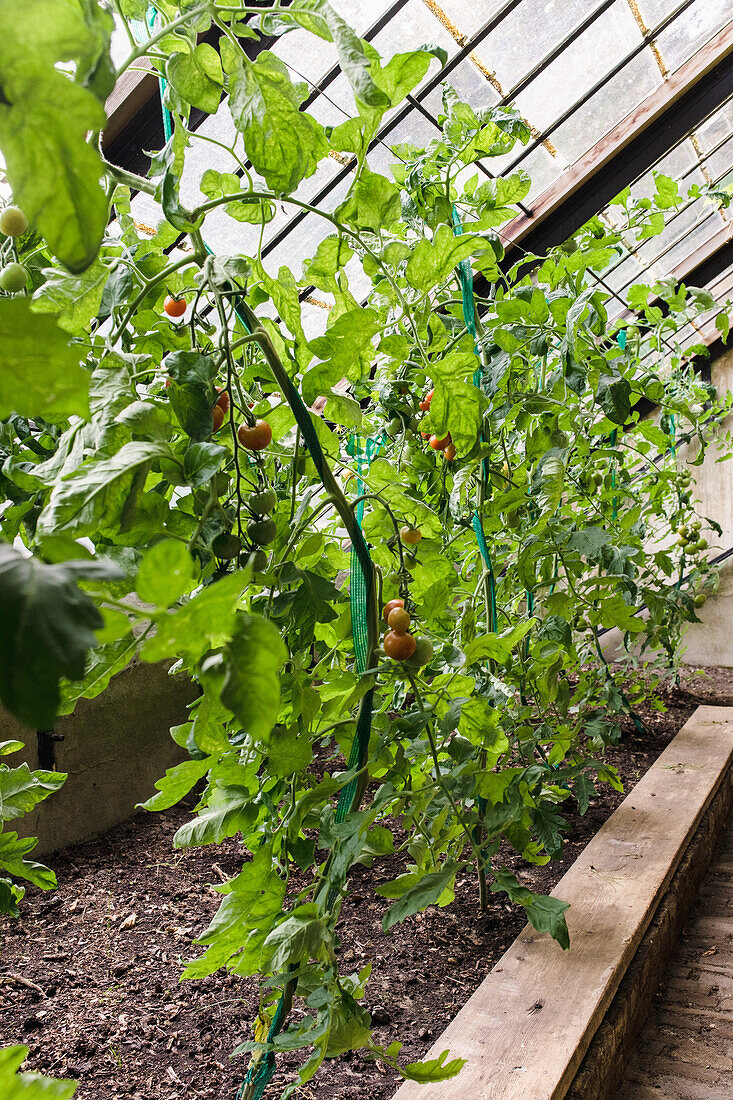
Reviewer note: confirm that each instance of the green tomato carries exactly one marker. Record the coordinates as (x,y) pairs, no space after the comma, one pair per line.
(262,531)
(13,222)
(423,654)
(264,502)
(13,278)
(696,411)
(700,599)
(702,544)
(396,426)
(695,525)
(258,561)
(226,546)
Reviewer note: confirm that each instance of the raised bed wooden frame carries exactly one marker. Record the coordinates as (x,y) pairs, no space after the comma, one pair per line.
(549,1025)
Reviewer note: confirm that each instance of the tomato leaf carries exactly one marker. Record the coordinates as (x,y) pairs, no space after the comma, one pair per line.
(41,373)
(253,659)
(47,626)
(252,902)
(283,143)
(207,618)
(53,171)
(165,574)
(415,892)
(432,1069)
(432,262)
(546,914)
(95,495)
(75,299)
(29,1086)
(197,77)
(301,936)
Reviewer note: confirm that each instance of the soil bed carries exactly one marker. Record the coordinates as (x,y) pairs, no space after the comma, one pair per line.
(89,975)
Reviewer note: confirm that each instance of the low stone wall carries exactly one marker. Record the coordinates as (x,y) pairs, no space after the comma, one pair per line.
(114,748)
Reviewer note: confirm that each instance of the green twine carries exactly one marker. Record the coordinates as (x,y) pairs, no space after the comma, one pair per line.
(465,279)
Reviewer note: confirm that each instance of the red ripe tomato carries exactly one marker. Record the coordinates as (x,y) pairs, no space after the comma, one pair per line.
(450,452)
(399,620)
(410,535)
(425,403)
(256,437)
(174,307)
(425,435)
(440,444)
(390,606)
(218,414)
(223,399)
(168,383)
(399,646)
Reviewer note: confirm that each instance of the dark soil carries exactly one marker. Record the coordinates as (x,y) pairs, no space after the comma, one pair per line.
(89,975)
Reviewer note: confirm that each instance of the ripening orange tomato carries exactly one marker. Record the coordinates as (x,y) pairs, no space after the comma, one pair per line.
(410,535)
(218,414)
(390,606)
(440,444)
(399,620)
(174,307)
(256,437)
(399,646)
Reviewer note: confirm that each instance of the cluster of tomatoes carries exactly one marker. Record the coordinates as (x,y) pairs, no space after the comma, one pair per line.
(445,444)
(253,437)
(14,276)
(398,643)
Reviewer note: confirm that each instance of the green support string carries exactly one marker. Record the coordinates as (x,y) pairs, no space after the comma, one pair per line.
(362,573)
(621,341)
(465,278)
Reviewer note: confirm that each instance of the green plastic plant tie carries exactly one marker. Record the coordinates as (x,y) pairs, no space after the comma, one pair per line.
(162,83)
(621,341)
(614,502)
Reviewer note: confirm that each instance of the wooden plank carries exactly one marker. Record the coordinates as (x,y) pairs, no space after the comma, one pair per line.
(515,1049)
(132,92)
(688,1034)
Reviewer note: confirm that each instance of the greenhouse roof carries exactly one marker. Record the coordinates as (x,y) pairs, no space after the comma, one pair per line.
(613,91)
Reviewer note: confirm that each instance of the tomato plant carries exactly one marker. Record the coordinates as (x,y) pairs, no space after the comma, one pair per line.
(179,452)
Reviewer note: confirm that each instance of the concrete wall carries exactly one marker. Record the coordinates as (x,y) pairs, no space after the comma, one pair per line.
(115,747)
(709,642)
